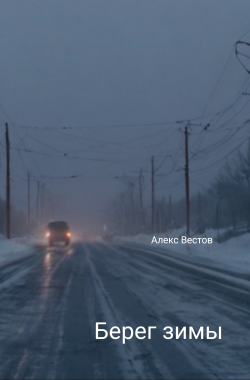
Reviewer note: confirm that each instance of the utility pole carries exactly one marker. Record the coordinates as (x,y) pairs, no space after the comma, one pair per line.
(132,185)
(7,141)
(187,180)
(141,200)
(153,194)
(43,191)
(37,203)
(28,202)
(7,180)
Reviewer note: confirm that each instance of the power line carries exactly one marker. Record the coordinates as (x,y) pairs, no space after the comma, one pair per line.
(221,159)
(221,114)
(143,125)
(216,84)
(248,31)
(139,125)
(220,143)
(237,53)
(222,73)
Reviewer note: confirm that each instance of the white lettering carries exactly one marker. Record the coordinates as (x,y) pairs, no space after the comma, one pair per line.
(219,332)
(168,332)
(124,336)
(183,239)
(183,331)
(149,331)
(97,330)
(112,331)
(211,332)
(137,332)
(196,336)
(154,240)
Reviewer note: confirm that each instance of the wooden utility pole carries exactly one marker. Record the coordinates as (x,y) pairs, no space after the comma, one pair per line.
(7,141)
(141,199)
(37,203)
(187,181)
(42,208)
(153,193)
(28,202)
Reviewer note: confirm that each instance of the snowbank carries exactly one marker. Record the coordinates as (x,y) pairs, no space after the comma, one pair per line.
(11,250)
(233,255)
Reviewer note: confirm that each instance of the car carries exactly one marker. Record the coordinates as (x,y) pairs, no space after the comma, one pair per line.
(58,232)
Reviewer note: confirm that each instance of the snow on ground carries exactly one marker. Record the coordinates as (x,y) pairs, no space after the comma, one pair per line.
(234,254)
(11,250)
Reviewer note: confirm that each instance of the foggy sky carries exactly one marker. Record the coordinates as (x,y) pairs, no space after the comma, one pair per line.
(93,65)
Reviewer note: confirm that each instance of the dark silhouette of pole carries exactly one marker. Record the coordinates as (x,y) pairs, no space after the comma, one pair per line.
(7,180)
(187,181)
(42,203)
(28,201)
(37,203)
(141,199)
(131,185)
(153,193)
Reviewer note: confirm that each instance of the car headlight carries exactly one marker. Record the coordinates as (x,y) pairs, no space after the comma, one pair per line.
(68,234)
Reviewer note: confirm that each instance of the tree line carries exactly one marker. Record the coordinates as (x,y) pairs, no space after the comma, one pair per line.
(225,204)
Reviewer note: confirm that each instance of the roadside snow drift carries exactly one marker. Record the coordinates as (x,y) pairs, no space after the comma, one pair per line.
(11,250)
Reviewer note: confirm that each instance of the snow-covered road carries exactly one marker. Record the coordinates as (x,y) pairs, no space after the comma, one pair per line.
(51,301)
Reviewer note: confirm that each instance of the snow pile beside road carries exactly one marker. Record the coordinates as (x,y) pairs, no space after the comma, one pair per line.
(28,240)
(11,250)
(234,254)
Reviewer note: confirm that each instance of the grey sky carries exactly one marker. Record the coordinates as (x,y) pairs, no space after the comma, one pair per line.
(107,63)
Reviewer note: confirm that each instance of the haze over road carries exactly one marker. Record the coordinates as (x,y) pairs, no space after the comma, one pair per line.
(51,301)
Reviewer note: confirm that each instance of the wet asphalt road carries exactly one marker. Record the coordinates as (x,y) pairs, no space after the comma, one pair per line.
(50,302)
